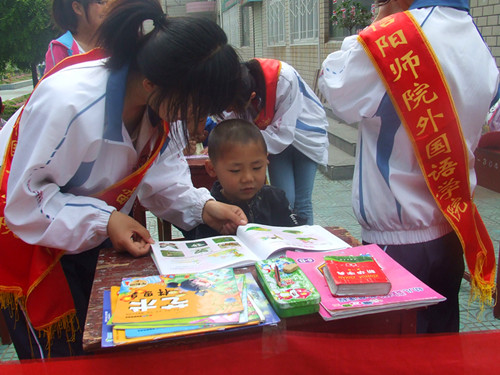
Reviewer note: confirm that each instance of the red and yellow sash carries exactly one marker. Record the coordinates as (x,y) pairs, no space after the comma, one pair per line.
(271,69)
(31,275)
(418,89)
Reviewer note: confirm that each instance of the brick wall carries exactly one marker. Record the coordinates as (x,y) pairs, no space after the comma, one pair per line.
(486,14)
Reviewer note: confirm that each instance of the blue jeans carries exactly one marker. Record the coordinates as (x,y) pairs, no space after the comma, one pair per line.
(294,173)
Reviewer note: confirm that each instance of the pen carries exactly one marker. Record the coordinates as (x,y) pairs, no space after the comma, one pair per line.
(277,276)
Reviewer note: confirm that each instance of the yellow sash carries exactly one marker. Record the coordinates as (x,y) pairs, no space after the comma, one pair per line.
(419,92)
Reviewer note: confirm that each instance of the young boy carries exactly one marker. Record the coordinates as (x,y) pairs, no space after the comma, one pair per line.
(238,159)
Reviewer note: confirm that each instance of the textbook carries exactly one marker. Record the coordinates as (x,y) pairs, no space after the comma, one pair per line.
(406,290)
(252,242)
(259,313)
(355,276)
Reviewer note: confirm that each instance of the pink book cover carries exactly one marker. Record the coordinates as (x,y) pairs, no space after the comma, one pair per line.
(407,291)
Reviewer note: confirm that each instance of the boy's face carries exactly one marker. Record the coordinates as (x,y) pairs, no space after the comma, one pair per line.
(241,170)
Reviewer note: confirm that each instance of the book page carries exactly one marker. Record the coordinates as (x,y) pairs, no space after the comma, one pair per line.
(172,257)
(265,240)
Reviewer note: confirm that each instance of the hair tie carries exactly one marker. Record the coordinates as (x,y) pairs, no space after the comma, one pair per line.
(158,20)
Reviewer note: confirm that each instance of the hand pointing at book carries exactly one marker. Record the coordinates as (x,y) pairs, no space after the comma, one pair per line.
(129,235)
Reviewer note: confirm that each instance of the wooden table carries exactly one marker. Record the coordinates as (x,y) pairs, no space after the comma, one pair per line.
(199,175)
(113,266)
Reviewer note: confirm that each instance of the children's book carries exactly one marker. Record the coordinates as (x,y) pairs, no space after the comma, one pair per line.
(406,292)
(260,313)
(181,296)
(355,276)
(253,242)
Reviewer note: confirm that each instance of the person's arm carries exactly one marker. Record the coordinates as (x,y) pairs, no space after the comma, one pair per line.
(168,192)
(53,144)
(350,83)
(281,132)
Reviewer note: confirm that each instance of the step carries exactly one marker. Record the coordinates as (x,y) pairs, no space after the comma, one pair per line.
(342,135)
(340,164)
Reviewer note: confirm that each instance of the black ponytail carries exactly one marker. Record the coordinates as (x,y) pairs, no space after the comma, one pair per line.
(122,33)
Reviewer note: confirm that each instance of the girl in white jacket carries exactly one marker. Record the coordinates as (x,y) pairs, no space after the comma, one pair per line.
(92,138)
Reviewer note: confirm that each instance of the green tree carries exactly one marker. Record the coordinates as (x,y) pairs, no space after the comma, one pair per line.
(25,32)
(350,14)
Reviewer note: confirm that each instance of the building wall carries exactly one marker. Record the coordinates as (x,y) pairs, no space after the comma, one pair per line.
(486,14)
(307,59)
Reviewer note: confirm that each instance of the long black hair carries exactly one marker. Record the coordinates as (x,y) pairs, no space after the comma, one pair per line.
(187,58)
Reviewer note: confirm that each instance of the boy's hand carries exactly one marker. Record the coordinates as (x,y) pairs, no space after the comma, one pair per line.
(224,218)
(126,234)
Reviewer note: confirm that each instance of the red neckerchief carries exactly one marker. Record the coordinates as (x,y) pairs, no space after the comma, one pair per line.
(271,69)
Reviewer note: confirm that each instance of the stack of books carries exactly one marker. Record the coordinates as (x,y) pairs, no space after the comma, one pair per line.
(167,306)
(400,291)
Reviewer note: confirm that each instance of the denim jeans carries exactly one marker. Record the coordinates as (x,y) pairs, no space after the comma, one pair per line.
(294,173)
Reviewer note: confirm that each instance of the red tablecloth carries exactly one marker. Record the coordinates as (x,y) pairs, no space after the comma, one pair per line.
(292,353)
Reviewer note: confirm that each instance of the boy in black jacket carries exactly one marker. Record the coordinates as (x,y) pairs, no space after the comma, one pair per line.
(238,158)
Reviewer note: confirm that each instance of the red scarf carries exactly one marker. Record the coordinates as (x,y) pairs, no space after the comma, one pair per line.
(31,276)
(418,89)
(271,69)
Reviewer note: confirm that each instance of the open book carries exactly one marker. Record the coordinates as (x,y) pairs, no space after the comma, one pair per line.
(253,242)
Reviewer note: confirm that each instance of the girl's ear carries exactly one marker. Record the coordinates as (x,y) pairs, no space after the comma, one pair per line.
(78,8)
(148,85)
(209,167)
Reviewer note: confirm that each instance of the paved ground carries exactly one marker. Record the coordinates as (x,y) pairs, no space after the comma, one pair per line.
(15,93)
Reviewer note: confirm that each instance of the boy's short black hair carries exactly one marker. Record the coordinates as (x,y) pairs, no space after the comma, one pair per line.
(233,131)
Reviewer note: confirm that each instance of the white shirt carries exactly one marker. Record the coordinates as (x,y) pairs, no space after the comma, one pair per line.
(72,144)
(390,197)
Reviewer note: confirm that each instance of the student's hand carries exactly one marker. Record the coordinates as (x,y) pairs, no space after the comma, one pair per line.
(126,234)
(222,217)
(190,148)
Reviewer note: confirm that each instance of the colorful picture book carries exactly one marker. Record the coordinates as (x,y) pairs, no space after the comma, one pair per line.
(355,276)
(165,298)
(406,292)
(256,312)
(253,242)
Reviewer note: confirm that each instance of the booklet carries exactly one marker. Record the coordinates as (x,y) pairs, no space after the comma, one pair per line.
(350,275)
(253,242)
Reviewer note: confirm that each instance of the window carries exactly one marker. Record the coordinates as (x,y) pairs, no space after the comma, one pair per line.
(276,22)
(230,24)
(245,26)
(303,21)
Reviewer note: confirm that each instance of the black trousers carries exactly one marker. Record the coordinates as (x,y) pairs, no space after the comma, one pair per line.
(79,270)
(440,265)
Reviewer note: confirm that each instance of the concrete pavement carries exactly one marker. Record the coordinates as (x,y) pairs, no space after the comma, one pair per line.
(8,94)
